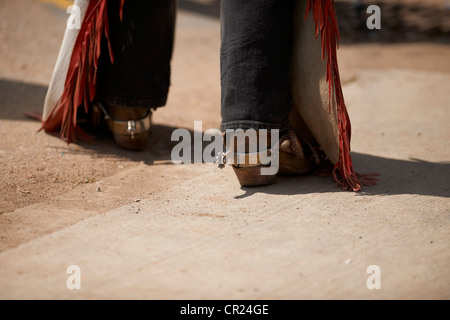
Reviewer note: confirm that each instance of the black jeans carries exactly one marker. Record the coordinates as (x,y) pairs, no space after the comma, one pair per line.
(255,59)
(142,45)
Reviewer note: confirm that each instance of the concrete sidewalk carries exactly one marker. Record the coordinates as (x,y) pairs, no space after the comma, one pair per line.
(140,227)
(206,238)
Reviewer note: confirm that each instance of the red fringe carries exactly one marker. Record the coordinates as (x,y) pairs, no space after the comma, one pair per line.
(325,17)
(122,3)
(80,85)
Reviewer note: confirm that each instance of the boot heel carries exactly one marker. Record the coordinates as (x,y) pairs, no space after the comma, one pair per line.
(251,176)
(137,143)
(130,126)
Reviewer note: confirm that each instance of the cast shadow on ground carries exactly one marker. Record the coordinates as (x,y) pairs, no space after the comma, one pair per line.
(414,177)
(158,150)
(18,97)
(397,176)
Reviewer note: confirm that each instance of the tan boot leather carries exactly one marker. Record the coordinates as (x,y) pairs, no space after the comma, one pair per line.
(130,126)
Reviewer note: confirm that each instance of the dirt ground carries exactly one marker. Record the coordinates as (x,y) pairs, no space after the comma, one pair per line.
(49,189)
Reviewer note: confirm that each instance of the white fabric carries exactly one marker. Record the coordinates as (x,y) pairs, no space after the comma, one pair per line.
(58,80)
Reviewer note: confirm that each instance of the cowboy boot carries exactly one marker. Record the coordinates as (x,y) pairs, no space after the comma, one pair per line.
(130,126)
(294,159)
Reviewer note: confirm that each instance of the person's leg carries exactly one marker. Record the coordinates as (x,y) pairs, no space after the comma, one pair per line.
(142,45)
(139,78)
(257,45)
(257,37)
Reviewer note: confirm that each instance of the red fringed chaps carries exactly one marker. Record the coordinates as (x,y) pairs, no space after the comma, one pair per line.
(80,84)
(325,17)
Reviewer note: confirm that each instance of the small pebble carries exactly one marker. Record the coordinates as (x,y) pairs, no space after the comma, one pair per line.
(348,261)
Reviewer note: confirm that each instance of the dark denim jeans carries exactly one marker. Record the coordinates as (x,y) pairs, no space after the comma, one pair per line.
(142,45)
(255,59)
